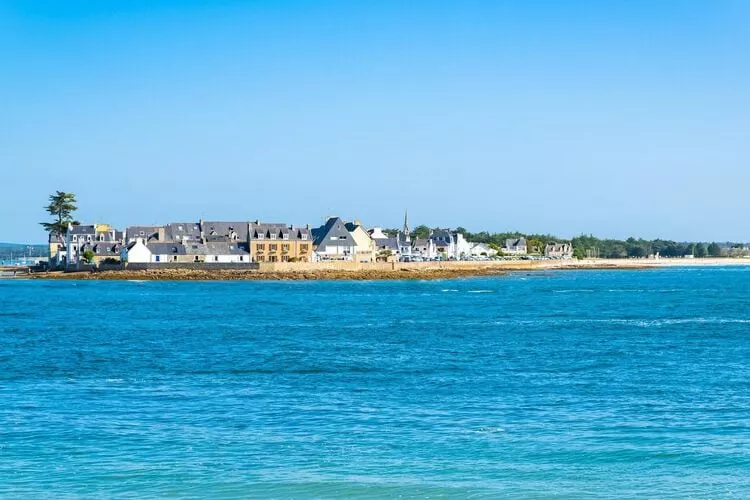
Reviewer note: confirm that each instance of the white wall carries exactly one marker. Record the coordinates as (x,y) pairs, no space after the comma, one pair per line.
(228,259)
(139,253)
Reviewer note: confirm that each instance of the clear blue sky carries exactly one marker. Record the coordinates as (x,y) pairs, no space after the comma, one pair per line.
(616,118)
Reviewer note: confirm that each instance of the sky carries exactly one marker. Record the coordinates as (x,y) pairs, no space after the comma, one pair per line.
(621,118)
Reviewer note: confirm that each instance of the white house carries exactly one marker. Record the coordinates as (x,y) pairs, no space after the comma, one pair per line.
(482,250)
(558,250)
(140,252)
(449,244)
(225,253)
(136,252)
(515,246)
(425,248)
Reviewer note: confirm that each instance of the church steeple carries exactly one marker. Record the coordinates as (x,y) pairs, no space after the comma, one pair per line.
(406,226)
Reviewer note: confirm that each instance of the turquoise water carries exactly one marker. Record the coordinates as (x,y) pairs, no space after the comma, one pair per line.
(565,385)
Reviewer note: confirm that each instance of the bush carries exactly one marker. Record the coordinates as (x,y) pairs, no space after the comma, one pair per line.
(88,256)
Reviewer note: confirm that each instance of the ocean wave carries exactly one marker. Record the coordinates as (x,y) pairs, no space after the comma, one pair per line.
(637,322)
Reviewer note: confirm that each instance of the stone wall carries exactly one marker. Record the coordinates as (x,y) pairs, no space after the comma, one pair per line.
(341,265)
(196,266)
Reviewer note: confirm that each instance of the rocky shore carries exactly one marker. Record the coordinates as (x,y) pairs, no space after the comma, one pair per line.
(235,275)
(442,270)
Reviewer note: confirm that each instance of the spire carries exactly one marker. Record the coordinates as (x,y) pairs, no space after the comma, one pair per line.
(406,225)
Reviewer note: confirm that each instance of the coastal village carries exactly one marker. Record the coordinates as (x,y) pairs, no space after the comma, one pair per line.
(237,244)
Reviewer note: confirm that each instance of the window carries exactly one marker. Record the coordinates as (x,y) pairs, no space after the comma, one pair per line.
(260,236)
(285,247)
(216,258)
(286,236)
(304,236)
(260,247)
(303,248)
(242,258)
(158,258)
(273,247)
(174,258)
(273,236)
(284,258)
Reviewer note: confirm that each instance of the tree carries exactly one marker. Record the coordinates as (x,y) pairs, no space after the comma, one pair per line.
(61,207)
(700,250)
(579,253)
(535,245)
(714,250)
(88,256)
(420,232)
(385,254)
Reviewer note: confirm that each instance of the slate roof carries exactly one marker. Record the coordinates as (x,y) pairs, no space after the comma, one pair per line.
(148,232)
(175,231)
(441,235)
(334,227)
(166,248)
(225,248)
(87,229)
(55,238)
(101,248)
(219,230)
(387,243)
(515,242)
(266,229)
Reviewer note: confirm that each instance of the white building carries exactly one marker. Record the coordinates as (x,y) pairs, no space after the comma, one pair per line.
(558,251)
(482,250)
(515,246)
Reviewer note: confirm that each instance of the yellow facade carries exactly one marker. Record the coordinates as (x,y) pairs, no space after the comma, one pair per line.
(291,250)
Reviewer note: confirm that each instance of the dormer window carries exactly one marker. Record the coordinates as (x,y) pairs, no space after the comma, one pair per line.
(304,236)
(273,236)
(286,236)
(259,236)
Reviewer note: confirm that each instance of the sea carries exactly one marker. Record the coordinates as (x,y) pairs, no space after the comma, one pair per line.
(564,384)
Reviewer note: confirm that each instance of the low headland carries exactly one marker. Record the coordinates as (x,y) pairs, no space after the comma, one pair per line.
(380,271)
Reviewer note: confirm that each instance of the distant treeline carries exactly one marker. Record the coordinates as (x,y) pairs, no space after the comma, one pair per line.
(591,246)
(8,250)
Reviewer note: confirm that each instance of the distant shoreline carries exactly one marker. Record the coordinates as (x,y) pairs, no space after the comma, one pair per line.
(383,271)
